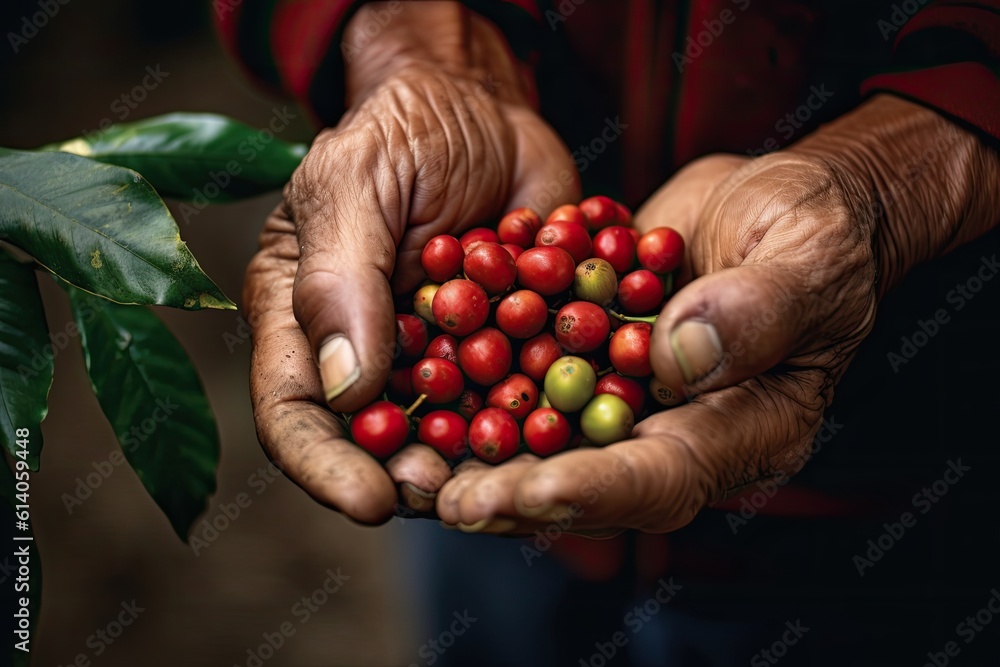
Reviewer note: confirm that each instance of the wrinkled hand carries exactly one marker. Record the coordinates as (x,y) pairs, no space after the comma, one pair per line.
(787,256)
(784,274)
(426,150)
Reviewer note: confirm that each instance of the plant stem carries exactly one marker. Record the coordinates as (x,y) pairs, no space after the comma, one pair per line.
(416,404)
(651,319)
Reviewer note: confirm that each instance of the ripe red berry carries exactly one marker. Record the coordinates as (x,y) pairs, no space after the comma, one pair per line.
(624,388)
(635,234)
(519,227)
(442,258)
(660,250)
(381,428)
(616,246)
(640,292)
(469,403)
(460,307)
(493,435)
(547,270)
(538,354)
(570,236)
(546,431)
(400,385)
(440,379)
(478,234)
(445,431)
(629,350)
(514,250)
(491,266)
(522,314)
(567,213)
(624,216)
(411,334)
(582,326)
(443,347)
(518,395)
(600,211)
(485,356)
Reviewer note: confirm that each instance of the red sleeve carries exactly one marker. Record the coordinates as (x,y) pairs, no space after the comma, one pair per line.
(953,49)
(298,46)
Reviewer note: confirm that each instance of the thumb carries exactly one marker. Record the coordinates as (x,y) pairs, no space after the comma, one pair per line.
(342,299)
(726,327)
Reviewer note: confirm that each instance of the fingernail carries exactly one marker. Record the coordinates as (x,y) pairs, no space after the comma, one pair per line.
(499,526)
(531,510)
(448,526)
(697,348)
(338,366)
(416,498)
(473,527)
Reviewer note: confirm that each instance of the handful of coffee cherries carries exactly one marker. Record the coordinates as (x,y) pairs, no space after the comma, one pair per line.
(531,337)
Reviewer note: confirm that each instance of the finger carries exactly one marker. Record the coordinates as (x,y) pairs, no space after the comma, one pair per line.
(681,200)
(293,424)
(465,474)
(420,472)
(729,326)
(341,296)
(492,495)
(681,460)
(541,183)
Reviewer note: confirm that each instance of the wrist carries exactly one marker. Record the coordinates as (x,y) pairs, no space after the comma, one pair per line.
(924,184)
(384,39)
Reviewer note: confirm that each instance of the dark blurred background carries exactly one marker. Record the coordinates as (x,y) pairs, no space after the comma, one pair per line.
(204,609)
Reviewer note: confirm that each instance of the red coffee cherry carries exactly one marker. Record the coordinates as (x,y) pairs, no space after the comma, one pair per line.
(469,403)
(538,354)
(616,246)
(582,326)
(493,435)
(442,258)
(570,236)
(522,314)
(629,350)
(485,356)
(518,395)
(519,227)
(567,213)
(600,211)
(546,270)
(445,431)
(443,347)
(381,428)
(490,265)
(660,250)
(411,334)
(440,379)
(546,431)
(460,307)
(640,292)
(476,235)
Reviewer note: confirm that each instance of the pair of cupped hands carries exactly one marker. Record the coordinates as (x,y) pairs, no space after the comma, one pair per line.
(787,256)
